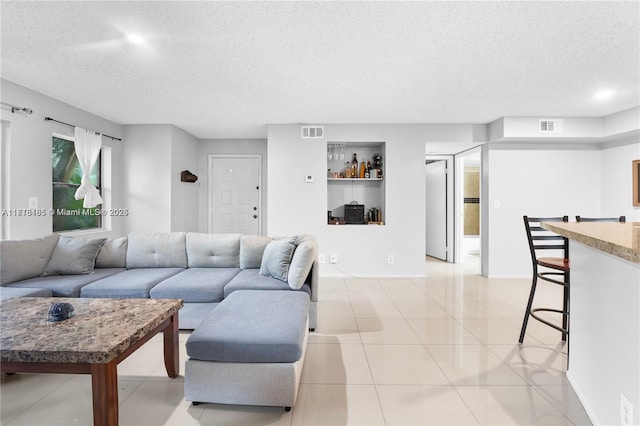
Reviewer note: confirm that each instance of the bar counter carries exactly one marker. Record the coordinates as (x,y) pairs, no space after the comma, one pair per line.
(618,239)
(604,336)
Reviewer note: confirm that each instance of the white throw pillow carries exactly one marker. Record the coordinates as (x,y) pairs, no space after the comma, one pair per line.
(304,255)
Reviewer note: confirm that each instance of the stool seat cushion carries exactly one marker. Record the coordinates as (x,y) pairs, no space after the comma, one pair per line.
(253,326)
(554,262)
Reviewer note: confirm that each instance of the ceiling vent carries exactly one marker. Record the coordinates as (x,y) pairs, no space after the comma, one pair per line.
(551,126)
(312,132)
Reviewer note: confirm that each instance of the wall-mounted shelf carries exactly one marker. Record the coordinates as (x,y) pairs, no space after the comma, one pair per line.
(369,192)
(355,179)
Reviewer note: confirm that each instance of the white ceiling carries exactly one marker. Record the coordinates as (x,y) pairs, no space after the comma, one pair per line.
(227,69)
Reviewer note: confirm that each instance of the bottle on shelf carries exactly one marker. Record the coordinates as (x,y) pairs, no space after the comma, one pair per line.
(354,166)
(362,171)
(347,170)
(367,173)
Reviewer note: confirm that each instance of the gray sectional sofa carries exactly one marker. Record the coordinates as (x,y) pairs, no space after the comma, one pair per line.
(201,269)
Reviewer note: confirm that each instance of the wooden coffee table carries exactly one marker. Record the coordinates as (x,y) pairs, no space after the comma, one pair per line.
(102,333)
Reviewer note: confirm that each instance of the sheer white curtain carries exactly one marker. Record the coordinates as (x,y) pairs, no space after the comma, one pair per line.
(87,144)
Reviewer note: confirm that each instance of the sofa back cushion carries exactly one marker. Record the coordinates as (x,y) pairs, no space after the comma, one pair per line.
(113,254)
(304,255)
(251,250)
(157,250)
(213,250)
(22,259)
(73,256)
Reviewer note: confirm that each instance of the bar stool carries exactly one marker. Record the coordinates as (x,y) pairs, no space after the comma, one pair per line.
(552,269)
(621,219)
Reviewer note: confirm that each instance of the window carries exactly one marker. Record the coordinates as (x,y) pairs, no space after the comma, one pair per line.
(68,213)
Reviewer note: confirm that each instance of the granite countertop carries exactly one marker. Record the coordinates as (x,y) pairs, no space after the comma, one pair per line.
(618,239)
(99,331)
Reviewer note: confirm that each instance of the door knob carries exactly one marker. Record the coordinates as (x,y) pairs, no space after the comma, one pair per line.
(255,216)
(255,208)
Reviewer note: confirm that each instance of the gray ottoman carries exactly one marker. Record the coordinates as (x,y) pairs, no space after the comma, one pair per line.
(249,350)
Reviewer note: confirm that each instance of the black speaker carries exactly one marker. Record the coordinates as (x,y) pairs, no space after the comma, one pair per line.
(354,213)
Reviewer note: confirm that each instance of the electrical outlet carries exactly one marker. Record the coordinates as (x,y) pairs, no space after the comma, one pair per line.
(626,411)
(390,259)
(333,258)
(321,258)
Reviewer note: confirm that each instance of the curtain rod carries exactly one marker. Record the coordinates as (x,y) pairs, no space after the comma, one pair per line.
(71,125)
(15,108)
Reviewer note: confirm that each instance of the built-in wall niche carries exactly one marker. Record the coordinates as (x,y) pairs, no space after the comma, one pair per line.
(356,194)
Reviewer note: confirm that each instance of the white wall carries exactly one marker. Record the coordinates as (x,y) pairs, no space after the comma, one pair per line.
(148,177)
(299,207)
(534,183)
(27,170)
(228,147)
(621,122)
(617,198)
(184,196)
(157,200)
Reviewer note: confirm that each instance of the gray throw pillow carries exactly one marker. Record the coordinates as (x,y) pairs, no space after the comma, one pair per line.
(251,250)
(113,253)
(73,256)
(277,258)
(22,259)
(304,255)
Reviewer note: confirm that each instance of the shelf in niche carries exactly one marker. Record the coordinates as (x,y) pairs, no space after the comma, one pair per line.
(355,179)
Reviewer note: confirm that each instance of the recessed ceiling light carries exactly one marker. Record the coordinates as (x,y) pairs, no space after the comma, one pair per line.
(135,39)
(603,94)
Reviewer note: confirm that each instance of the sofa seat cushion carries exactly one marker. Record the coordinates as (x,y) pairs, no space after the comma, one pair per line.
(195,285)
(67,285)
(251,279)
(132,283)
(11,292)
(253,326)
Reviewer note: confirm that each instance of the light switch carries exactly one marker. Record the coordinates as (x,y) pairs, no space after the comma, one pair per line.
(496,204)
(33,202)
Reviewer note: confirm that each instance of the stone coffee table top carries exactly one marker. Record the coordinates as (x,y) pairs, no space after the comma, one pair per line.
(99,331)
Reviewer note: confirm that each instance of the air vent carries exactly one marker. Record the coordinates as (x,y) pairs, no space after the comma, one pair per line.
(312,132)
(551,126)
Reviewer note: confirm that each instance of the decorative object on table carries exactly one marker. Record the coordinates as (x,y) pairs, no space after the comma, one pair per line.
(187,176)
(60,311)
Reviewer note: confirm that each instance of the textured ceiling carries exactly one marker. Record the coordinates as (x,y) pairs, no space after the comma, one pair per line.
(227,69)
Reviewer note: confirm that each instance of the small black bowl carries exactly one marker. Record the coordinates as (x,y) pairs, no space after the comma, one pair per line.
(60,311)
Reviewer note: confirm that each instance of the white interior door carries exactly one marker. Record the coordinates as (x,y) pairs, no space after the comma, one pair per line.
(234,194)
(436,211)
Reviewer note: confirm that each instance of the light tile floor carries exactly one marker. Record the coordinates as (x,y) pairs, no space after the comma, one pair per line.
(436,351)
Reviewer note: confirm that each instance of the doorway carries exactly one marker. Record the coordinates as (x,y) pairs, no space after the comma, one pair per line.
(439,207)
(235,194)
(468,197)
